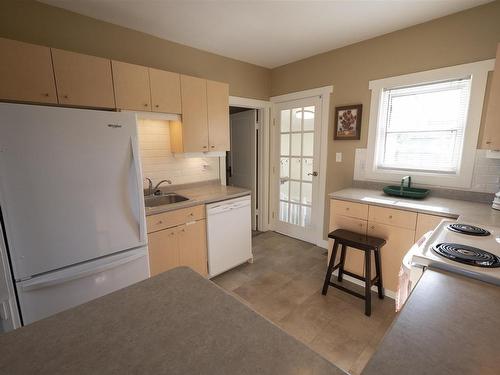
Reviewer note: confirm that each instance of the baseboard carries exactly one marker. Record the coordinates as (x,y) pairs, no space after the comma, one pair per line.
(387,292)
(323,244)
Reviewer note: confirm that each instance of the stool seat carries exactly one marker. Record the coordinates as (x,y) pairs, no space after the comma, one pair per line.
(357,240)
(362,242)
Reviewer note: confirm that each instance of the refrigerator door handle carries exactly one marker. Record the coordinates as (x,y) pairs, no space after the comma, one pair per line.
(69,275)
(140,211)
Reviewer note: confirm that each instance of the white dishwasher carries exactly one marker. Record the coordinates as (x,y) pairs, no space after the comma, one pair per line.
(229,233)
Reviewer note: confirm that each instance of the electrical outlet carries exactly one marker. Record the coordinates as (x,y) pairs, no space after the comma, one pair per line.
(338,157)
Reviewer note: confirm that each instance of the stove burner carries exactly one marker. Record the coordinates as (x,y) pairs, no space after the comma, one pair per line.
(468,229)
(467,255)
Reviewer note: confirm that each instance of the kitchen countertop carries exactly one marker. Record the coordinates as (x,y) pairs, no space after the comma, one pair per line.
(470,212)
(176,323)
(449,325)
(200,194)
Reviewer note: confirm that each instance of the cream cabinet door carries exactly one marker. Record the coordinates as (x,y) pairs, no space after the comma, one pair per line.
(131,83)
(218,115)
(426,223)
(193,246)
(194,114)
(83,80)
(26,72)
(355,259)
(163,250)
(165,91)
(399,240)
(491,137)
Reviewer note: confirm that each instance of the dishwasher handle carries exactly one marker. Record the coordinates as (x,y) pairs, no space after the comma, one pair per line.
(224,207)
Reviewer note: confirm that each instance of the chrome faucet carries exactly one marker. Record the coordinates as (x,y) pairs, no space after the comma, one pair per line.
(156,189)
(150,186)
(403,182)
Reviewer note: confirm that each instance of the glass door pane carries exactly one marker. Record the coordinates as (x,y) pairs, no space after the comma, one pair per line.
(296,159)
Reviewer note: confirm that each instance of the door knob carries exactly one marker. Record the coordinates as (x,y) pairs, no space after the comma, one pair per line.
(313,174)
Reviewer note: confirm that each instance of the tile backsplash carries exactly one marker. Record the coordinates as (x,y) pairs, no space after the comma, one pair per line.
(159,163)
(485,178)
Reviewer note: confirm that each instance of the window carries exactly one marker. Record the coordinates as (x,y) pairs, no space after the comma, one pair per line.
(422,127)
(426,124)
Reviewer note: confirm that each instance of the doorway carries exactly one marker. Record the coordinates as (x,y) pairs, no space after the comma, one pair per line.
(242,159)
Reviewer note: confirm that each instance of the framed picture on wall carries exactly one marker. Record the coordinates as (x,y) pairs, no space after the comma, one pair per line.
(348,122)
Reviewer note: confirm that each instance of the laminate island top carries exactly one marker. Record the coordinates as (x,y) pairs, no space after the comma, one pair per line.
(200,193)
(470,212)
(449,325)
(174,323)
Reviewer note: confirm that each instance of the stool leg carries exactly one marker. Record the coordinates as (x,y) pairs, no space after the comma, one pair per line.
(378,269)
(342,261)
(329,271)
(368,283)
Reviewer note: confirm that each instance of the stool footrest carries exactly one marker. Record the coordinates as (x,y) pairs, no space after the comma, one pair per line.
(344,289)
(353,275)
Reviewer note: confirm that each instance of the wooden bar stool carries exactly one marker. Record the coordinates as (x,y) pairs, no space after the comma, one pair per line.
(363,243)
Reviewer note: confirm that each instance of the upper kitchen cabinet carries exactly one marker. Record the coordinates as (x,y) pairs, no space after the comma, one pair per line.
(83,80)
(165,91)
(26,72)
(194,116)
(132,89)
(218,115)
(491,138)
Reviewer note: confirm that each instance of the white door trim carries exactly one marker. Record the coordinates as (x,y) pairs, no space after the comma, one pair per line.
(324,95)
(263,142)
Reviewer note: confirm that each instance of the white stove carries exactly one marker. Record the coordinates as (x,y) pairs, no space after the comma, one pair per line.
(464,248)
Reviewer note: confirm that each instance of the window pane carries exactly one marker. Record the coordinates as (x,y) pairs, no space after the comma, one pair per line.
(283,211)
(285,144)
(294,214)
(295,170)
(306,216)
(296,144)
(307,168)
(284,190)
(285,121)
(308,118)
(294,191)
(306,193)
(422,126)
(296,119)
(308,144)
(284,167)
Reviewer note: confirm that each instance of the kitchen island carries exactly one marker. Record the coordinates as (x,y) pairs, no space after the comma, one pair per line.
(174,323)
(449,325)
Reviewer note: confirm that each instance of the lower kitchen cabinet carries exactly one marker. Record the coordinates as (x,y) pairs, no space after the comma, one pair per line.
(399,240)
(193,246)
(180,245)
(399,228)
(163,250)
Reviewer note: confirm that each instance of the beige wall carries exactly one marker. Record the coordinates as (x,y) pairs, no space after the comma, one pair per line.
(464,37)
(39,23)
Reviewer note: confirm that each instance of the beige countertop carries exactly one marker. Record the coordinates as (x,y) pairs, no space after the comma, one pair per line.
(174,323)
(449,325)
(200,194)
(471,212)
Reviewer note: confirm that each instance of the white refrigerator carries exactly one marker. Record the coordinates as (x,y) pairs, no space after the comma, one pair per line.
(72,205)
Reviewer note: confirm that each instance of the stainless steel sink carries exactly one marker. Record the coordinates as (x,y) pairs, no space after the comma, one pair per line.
(164,199)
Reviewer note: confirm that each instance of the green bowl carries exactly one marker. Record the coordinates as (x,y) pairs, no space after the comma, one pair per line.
(414,193)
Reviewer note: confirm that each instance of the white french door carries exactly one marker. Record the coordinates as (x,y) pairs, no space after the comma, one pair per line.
(297,154)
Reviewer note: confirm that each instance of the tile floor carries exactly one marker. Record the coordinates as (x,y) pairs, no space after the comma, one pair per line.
(284,285)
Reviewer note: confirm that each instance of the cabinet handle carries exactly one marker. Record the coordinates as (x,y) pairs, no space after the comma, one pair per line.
(372,227)
(488,142)
(46,94)
(65,96)
(145,105)
(160,222)
(205,146)
(390,216)
(347,208)
(212,146)
(361,225)
(157,106)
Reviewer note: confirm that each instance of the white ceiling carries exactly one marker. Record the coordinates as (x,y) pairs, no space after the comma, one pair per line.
(266,33)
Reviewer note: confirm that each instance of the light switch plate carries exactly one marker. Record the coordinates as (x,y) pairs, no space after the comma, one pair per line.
(338,157)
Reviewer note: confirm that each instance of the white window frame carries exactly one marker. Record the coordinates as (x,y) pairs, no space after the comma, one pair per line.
(478,71)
